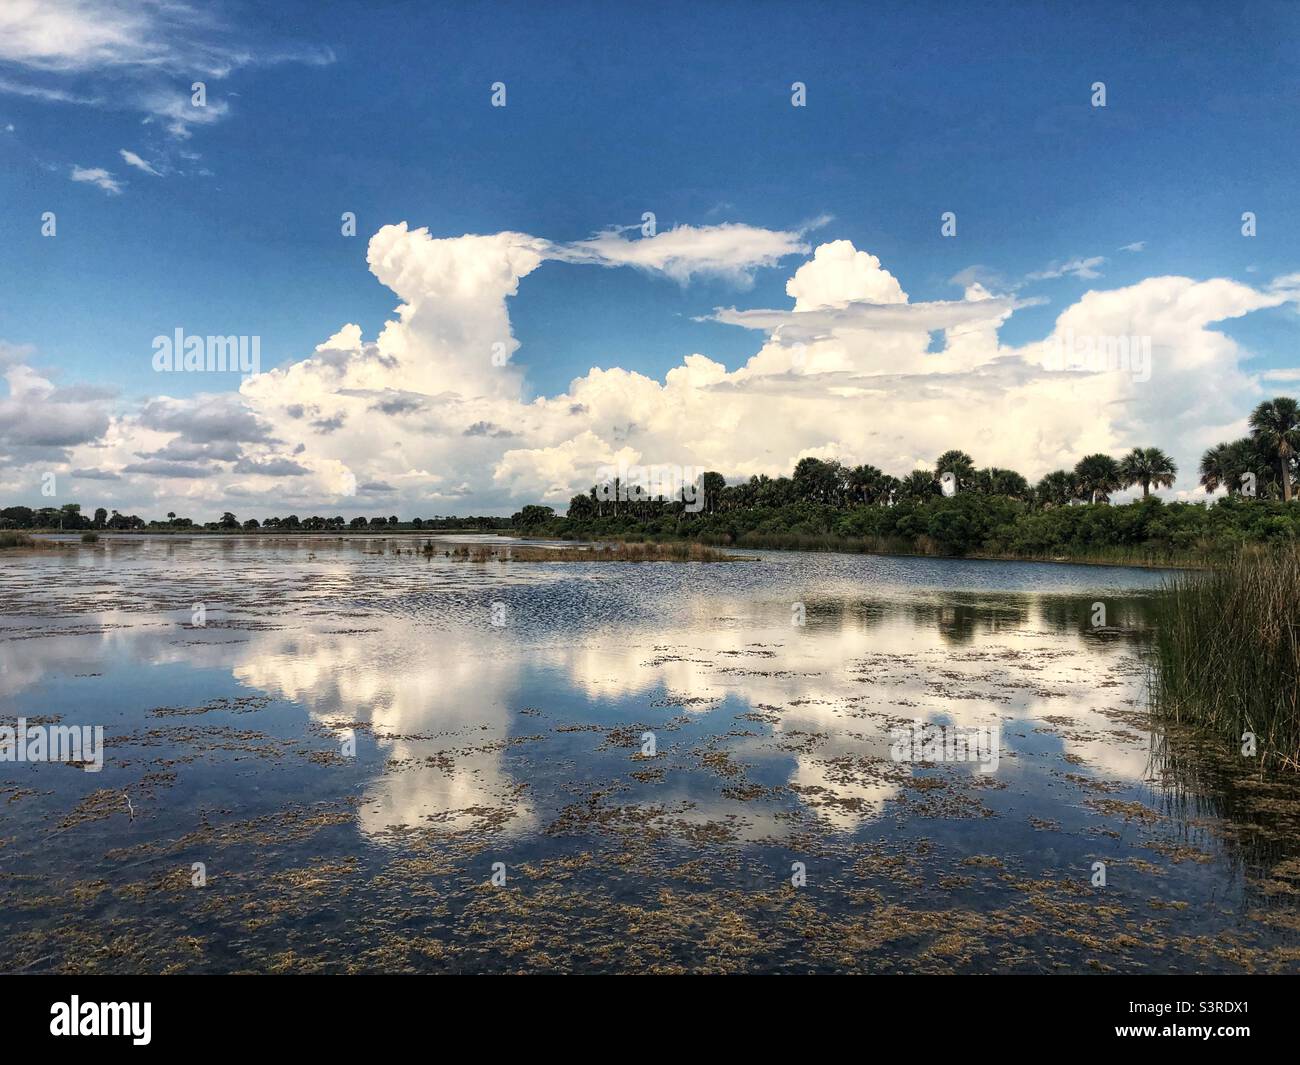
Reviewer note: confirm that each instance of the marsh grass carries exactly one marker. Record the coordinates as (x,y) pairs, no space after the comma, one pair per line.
(8,538)
(1227,651)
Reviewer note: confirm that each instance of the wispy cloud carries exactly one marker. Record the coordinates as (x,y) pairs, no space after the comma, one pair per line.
(131,159)
(49,95)
(861,316)
(731,250)
(178,113)
(126,53)
(1137,245)
(1080,267)
(82,36)
(1085,269)
(99,177)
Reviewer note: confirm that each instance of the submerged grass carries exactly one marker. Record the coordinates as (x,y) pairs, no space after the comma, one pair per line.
(677,551)
(680,551)
(1227,651)
(927,547)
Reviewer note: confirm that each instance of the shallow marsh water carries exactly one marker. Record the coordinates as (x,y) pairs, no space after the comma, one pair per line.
(520,743)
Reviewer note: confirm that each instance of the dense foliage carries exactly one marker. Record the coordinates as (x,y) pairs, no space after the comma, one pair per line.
(964,524)
(956,508)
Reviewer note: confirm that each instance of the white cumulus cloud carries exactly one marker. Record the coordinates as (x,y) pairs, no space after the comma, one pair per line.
(431,415)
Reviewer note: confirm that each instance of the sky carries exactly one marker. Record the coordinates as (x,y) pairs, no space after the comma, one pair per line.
(649,255)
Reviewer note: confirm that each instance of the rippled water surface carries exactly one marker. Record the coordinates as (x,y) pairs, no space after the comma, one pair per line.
(498,713)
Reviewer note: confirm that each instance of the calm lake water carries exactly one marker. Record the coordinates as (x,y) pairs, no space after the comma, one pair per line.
(355,741)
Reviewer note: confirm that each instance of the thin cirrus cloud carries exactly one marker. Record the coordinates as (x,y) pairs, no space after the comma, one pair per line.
(126,54)
(895,317)
(46,94)
(1082,268)
(131,36)
(97,176)
(131,159)
(1085,269)
(731,251)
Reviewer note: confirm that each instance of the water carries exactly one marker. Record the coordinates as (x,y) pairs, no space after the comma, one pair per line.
(328,772)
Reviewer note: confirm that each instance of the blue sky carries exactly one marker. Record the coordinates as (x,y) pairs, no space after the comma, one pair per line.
(913,109)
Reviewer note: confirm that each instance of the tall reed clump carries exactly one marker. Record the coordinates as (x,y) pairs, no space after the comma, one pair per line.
(8,538)
(1227,651)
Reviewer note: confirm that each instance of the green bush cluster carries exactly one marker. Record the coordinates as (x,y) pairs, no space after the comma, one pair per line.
(966,524)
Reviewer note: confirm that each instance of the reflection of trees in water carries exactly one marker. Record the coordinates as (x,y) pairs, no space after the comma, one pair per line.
(1074,613)
(1199,780)
(957,616)
(834,611)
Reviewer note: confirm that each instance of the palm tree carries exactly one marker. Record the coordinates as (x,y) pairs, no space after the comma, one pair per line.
(864,482)
(1056,489)
(1147,466)
(817,481)
(960,465)
(1098,476)
(1214,469)
(1275,424)
(919,484)
(995,481)
(837,483)
(712,484)
(1248,456)
(1000,482)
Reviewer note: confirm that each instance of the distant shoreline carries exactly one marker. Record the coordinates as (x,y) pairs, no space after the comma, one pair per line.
(845,547)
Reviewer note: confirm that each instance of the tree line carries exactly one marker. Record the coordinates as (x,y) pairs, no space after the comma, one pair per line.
(1262,464)
(69,517)
(988,510)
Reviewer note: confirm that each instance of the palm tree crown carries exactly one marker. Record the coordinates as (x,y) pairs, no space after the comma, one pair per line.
(919,484)
(1275,425)
(1214,470)
(1098,476)
(1147,466)
(1057,488)
(960,465)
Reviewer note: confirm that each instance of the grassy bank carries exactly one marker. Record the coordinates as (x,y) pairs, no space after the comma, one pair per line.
(1228,652)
